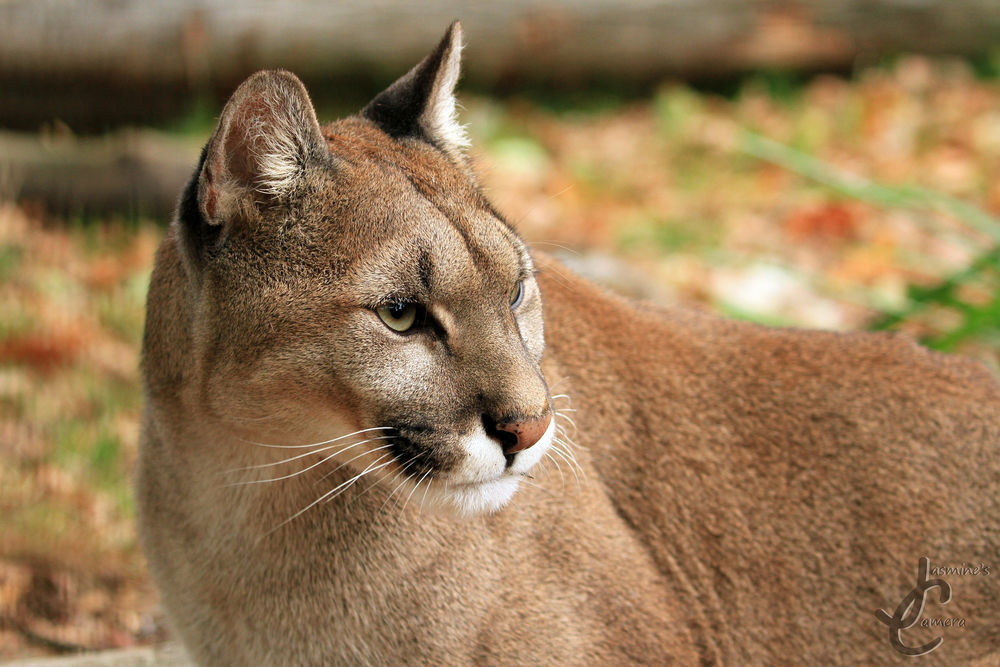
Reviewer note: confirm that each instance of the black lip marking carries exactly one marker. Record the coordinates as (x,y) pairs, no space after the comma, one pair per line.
(414,457)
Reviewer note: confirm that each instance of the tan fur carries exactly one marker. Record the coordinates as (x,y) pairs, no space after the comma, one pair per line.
(742,495)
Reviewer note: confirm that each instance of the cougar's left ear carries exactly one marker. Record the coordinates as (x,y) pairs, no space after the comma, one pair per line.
(422,103)
(266,138)
(266,142)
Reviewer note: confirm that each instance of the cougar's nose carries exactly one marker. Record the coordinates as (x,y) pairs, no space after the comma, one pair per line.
(516,436)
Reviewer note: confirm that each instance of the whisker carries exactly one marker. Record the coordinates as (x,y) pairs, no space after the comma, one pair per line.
(367,471)
(572,470)
(314,451)
(371,451)
(371,486)
(568,401)
(553,243)
(572,463)
(567,445)
(537,486)
(323,460)
(562,478)
(333,491)
(531,211)
(564,435)
(402,482)
(567,440)
(556,384)
(424,497)
(415,487)
(317,444)
(569,420)
(561,414)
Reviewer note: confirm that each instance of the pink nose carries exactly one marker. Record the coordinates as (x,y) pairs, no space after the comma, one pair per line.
(526,433)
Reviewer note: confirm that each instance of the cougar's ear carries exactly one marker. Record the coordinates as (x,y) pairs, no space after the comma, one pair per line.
(422,102)
(266,139)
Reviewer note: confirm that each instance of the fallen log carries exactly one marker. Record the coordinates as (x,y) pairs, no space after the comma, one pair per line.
(136,173)
(167,52)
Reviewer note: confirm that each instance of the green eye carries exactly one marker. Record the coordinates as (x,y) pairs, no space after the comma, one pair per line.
(398,316)
(517,294)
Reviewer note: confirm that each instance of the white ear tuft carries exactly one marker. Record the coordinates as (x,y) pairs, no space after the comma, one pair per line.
(280,146)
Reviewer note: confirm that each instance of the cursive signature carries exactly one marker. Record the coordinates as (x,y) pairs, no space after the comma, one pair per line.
(909,610)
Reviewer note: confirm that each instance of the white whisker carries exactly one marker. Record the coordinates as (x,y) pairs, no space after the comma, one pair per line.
(327,497)
(334,491)
(568,419)
(561,433)
(537,486)
(567,445)
(424,497)
(570,460)
(317,444)
(415,487)
(323,460)
(314,451)
(371,451)
(378,481)
(562,478)
(402,482)
(567,440)
(553,243)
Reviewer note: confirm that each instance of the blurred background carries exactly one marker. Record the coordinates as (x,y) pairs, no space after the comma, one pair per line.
(833,164)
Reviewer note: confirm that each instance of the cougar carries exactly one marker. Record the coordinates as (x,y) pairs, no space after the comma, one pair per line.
(380,429)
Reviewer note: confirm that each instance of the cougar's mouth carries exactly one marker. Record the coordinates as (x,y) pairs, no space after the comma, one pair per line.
(467,474)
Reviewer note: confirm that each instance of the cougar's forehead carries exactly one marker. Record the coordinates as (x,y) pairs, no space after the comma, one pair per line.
(441,259)
(426,227)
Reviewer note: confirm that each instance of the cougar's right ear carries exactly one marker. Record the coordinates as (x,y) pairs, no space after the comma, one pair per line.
(266,140)
(421,103)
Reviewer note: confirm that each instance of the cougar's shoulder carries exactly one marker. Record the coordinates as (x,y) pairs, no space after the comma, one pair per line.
(878,370)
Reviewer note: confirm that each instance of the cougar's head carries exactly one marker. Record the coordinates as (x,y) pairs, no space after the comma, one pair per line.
(356,295)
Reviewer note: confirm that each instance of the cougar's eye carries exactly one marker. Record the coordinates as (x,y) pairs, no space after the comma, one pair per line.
(517,294)
(398,316)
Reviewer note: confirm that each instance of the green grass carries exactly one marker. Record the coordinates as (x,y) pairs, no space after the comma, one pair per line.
(854,187)
(10,259)
(978,319)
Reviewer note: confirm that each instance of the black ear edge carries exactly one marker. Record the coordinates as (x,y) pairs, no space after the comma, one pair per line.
(398,108)
(196,236)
